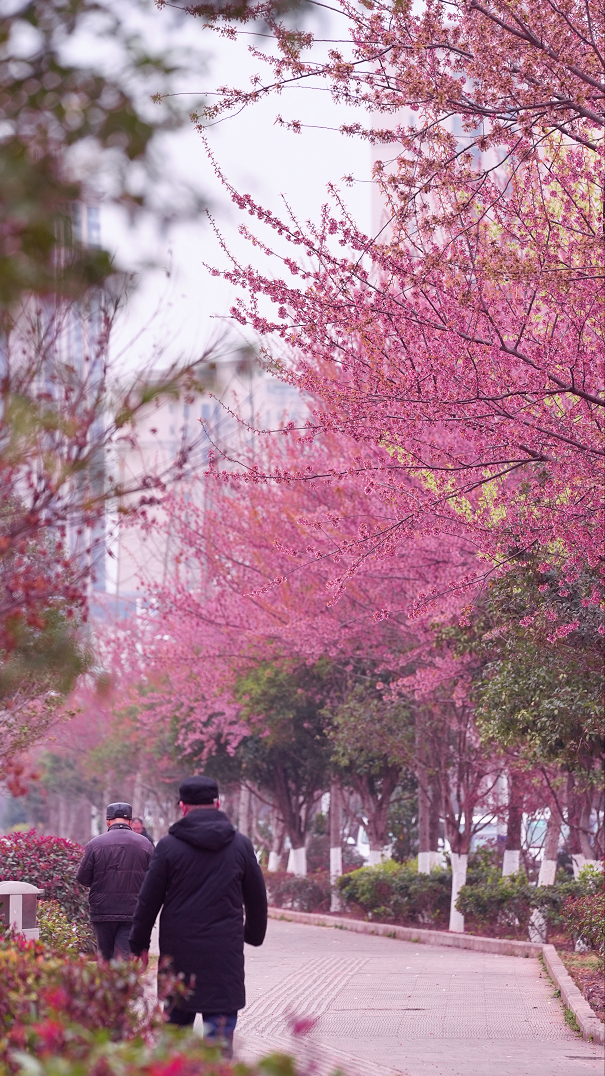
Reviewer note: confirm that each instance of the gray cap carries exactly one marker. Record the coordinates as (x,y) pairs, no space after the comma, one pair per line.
(118,810)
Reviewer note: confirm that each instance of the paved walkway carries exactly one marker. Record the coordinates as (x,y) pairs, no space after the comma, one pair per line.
(382,1007)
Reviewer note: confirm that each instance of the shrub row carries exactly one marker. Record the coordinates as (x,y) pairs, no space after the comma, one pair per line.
(310,894)
(74,1017)
(574,908)
(396,893)
(51,864)
(66,937)
(42,991)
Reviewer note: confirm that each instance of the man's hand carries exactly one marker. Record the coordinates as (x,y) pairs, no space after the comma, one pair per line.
(144,958)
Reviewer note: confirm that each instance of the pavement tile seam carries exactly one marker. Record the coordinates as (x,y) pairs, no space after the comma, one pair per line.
(298,981)
(320,1059)
(484,1014)
(304,994)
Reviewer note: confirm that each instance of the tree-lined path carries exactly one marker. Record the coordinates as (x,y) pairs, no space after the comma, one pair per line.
(383,1007)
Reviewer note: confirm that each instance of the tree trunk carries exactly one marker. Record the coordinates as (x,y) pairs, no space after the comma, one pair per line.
(137,796)
(297,862)
(459,866)
(243,812)
(294,814)
(335,845)
(537,929)
(512,848)
(585,845)
(548,866)
(436,858)
(424,821)
(376,806)
(578,831)
(279,831)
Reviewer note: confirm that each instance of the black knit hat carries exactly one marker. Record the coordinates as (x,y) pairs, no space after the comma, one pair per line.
(197,790)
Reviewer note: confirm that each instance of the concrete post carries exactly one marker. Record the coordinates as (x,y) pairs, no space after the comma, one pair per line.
(19,908)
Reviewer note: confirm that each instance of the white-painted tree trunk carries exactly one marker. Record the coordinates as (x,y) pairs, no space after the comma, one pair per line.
(459,866)
(298,859)
(243,812)
(424,863)
(335,845)
(511,861)
(548,871)
(375,857)
(274,861)
(428,860)
(579,861)
(536,929)
(335,873)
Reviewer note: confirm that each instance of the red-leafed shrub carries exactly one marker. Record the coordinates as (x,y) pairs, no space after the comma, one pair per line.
(308,894)
(584,918)
(50,863)
(46,997)
(75,1017)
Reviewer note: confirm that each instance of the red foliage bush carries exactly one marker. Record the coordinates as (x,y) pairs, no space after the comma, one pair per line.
(584,918)
(49,1001)
(80,1018)
(50,863)
(309,894)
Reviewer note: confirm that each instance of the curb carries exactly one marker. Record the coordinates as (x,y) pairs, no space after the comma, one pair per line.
(590,1025)
(572,997)
(500,946)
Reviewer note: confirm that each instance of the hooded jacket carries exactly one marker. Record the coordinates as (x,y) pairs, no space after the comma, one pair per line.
(114,865)
(205,874)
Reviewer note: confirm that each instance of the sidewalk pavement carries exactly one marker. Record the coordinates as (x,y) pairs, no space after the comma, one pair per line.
(382,1007)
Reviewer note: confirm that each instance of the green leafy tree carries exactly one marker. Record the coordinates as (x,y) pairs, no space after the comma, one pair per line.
(535,647)
(372,737)
(78,124)
(287,752)
(538,688)
(67,119)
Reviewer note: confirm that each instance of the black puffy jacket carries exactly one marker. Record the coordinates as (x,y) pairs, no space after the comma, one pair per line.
(204,873)
(114,865)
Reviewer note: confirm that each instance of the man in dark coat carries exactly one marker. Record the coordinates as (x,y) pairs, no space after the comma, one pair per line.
(113,866)
(138,826)
(204,873)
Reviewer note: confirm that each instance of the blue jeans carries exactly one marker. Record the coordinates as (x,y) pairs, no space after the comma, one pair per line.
(218,1027)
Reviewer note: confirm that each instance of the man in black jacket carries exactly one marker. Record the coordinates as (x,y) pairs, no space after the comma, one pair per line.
(138,826)
(204,873)
(113,866)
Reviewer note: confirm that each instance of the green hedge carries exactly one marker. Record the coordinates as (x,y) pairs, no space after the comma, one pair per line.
(396,893)
(504,905)
(491,904)
(585,919)
(66,937)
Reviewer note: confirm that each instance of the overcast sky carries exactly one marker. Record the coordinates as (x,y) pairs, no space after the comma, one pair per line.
(178,313)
